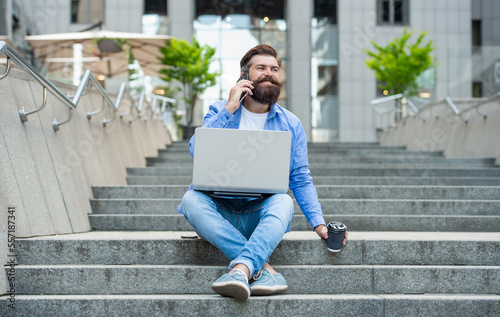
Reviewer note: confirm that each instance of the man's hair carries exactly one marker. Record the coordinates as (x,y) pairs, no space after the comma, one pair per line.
(262,49)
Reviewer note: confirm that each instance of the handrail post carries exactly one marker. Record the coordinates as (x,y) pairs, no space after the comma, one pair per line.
(24,115)
(55,124)
(7,69)
(116,105)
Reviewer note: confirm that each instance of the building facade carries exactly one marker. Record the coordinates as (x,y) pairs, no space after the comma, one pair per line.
(322,42)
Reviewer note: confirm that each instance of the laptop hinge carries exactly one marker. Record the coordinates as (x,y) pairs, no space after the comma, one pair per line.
(237,194)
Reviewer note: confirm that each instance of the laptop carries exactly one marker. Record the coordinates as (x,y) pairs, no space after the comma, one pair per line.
(230,162)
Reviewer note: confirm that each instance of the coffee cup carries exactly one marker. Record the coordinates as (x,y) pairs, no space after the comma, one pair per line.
(336,233)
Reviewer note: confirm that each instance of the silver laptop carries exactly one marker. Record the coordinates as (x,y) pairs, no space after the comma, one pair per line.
(229,162)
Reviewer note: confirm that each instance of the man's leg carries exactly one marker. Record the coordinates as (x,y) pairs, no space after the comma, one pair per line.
(266,222)
(202,213)
(271,223)
(210,223)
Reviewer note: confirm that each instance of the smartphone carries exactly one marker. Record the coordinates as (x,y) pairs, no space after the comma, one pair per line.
(244,75)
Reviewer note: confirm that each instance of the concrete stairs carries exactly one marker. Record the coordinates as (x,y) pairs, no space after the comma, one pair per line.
(424,240)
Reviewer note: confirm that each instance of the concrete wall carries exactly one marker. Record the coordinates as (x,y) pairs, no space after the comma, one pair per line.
(47,175)
(54,16)
(439,129)
(181,16)
(299,15)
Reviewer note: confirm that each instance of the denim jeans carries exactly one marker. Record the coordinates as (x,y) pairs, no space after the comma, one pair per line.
(246,231)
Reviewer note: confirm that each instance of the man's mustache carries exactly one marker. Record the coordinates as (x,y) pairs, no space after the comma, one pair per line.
(269,79)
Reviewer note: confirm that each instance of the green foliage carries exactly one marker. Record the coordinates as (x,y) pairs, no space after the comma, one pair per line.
(188,64)
(399,63)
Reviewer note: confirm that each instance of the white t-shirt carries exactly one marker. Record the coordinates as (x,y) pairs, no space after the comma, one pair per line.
(252,121)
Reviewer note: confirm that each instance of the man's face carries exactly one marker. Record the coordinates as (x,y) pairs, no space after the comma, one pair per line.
(264,72)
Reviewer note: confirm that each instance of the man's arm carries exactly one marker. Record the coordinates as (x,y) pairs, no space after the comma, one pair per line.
(303,187)
(217,116)
(301,181)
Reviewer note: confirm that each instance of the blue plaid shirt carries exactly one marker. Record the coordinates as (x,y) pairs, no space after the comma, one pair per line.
(278,119)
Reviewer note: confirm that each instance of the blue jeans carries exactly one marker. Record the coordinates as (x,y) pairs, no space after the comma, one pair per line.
(246,231)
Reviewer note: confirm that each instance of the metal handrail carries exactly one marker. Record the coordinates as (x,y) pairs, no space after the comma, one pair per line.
(140,107)
(11,54)
(7,69)
(87,79)
(375,102)
(452,106)
(431,105)
(132,105)
(476,106)
(82,89)
(164,101)
(123,90)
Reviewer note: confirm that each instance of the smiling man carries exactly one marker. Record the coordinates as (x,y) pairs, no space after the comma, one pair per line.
(247,230)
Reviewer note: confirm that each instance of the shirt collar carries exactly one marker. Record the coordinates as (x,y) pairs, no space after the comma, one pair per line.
(272,111)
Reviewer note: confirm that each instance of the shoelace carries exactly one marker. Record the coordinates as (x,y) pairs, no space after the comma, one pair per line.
(258,275)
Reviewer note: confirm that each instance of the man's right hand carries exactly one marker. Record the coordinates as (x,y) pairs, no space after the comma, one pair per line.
(242,86)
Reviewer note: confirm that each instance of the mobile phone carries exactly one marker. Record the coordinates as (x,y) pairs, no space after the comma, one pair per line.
(244,75)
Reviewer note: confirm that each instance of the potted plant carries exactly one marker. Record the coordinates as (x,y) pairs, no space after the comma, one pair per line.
(189,65)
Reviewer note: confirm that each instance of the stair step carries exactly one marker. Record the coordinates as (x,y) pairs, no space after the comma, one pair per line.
(297,248)
(180,170)
(329,206)
(293,305)
(313,165)
(308,279)
(145,222)
(339,180)
(324,191)
(336,151)
(329,159)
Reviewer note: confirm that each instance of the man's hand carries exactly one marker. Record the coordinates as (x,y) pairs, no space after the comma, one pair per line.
(322,232)
(233,102)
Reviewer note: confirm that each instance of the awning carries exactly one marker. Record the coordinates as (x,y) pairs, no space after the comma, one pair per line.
(55,51)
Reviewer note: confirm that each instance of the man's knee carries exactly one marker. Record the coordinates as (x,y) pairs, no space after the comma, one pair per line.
(192,200)
(283,204)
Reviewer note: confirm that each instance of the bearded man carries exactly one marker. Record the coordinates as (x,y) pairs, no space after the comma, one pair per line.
(247,230)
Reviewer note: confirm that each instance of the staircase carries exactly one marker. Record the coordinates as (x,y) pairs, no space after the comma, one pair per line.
(424,240)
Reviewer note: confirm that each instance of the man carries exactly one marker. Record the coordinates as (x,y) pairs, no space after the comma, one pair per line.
(247,230)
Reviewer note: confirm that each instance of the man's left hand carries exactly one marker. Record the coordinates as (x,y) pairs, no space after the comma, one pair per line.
(322,232)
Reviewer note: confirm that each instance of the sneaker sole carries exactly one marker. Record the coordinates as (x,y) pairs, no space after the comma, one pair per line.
(232,289)
(263,291)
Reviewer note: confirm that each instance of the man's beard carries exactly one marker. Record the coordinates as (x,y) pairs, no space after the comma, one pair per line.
(264,94)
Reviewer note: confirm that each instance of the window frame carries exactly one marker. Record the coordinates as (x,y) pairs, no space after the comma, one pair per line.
(89,17)
(388,18)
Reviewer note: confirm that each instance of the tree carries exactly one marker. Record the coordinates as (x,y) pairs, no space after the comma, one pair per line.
(398,65)
(188,64)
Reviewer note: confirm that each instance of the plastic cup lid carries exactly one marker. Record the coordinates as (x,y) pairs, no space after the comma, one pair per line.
(337,226)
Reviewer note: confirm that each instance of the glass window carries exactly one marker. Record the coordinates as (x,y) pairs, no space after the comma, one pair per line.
(87,11)
(155,7)
(325,11)
(324,68)
(393,12)
(233,27)
(155,17)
